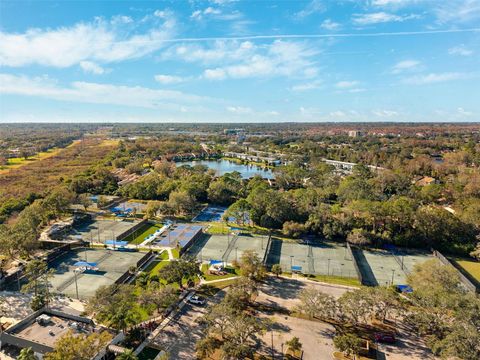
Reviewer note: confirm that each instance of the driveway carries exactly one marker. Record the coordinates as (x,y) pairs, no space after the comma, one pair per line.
(284,292)
(181,334)
(408,346)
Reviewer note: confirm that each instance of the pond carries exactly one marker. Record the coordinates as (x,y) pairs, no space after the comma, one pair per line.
(222,167)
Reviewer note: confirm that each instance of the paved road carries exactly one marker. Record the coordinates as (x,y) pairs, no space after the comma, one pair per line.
(284,292)
(179,337)
(407,347)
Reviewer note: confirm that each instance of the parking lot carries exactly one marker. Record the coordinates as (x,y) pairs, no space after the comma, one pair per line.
(181,334)
(315,336)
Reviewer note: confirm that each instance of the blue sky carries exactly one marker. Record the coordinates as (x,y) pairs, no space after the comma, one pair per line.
(239,61)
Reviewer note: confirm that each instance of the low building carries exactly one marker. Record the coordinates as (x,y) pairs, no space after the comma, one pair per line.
(354,133)
(41,330)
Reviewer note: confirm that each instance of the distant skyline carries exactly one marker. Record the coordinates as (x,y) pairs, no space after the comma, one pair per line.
(240,61)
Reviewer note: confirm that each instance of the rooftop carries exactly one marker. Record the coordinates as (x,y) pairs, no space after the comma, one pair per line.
(48,332)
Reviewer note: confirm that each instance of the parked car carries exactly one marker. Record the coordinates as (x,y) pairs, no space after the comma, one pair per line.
(197,300)
(385,338)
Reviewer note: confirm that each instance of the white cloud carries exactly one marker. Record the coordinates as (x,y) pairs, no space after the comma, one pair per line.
(239,110)
(385,113)
(457,11)
(280,58)
(313,7)
(169,79)
(394,3)
(337,114)
(460,50)
(405,66)
(331,25)
(95,93)
(218,52)
(346,84)
(91,67)
(199,14)
(357,90)
(306,86)
(433,78)
(461,111)
(381,17)
(100,41)
(215,74)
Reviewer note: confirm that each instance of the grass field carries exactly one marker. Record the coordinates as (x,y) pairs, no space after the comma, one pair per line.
(217,228)
(14,163)
(40,176)
(232,272)
(335,280)
(470,266)
(155,266)
(139,236)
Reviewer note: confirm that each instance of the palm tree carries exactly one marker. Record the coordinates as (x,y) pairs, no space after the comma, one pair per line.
(127,355)
(27,354)
(294,344)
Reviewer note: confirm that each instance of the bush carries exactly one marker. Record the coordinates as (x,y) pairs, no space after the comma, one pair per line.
(293,229)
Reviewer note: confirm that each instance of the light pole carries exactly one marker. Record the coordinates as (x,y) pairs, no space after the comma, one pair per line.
(236,251)
(86,257)
(393,274)
(328,267)
(76,285)
(291,262)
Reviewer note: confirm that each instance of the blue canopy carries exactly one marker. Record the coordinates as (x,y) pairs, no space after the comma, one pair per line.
(215,262)
(116,242)
(296,268)
(405,288)
(85,263)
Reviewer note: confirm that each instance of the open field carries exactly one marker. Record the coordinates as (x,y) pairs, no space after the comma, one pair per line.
(111,265)
(469,266)
(138,236)
(316,258)
(42,175)
(101,230)
(15,163)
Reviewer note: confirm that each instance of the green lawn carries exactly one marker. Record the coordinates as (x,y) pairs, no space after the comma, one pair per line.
(139,236)
(208,290)
(217,228)
(334,280)
(155,266)
(231,273)
(14,163)
(470,266)
(175,253)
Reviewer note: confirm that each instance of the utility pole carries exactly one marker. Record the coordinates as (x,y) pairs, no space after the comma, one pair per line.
(273,354)
(76,284)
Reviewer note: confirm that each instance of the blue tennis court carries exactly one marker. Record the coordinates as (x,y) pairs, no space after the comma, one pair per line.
(211,213)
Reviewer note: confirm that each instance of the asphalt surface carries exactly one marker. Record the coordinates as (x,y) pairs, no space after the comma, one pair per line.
(181,334)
